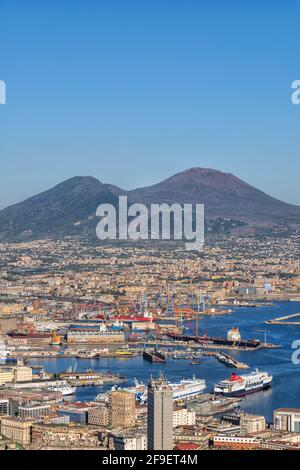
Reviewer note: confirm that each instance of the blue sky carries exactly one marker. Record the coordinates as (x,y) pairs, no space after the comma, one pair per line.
(132,92)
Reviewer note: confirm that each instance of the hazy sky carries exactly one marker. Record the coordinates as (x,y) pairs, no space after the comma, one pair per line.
(132,92)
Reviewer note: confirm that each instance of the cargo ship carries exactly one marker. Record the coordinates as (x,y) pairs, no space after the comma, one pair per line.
(141,317)
(241,385)
(233,340)
(87,355)
(130,318)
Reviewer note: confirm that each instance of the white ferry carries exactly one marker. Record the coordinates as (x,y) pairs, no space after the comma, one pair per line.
(241,385)
(184,389)
(63,387)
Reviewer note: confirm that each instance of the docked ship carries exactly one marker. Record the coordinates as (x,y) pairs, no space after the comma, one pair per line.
(87,355)
(234,334)
(63,387)
(3,352)
(233,339)
(117,325)
(141,317)
(188,388)
(56,339)
(125,353)
(184,389)
(137,322)
(241,385)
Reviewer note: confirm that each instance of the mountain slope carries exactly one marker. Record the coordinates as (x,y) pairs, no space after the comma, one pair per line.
(65,208)
(223,194)
(69,208)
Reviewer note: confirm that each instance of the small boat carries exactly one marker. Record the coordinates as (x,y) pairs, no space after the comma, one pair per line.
(124,353)
(87,355)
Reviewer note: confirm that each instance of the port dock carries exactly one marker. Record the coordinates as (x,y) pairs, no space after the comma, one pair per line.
(229,361)
(154,356)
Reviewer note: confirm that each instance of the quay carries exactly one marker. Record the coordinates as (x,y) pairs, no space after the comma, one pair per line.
(90,377)
(228,360)
(72,354)
(187,350)
(200,346)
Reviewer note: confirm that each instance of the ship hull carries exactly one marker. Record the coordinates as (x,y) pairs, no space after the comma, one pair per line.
(182,396)
(181,391)
(246,344)
(243,393)
(71,391)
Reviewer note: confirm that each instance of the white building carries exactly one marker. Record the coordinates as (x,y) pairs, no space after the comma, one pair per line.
(130,441)
(252,423)
(183,417)
(287,419)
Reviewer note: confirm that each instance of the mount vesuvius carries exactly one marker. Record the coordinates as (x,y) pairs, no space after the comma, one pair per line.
(69,208)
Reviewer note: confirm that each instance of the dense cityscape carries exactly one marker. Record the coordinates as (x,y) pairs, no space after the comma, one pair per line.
(149,233)
(111,347)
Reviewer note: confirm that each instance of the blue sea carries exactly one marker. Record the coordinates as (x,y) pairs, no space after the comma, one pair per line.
(285,391)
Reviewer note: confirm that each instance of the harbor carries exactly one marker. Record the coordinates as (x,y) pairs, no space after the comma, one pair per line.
(179,362)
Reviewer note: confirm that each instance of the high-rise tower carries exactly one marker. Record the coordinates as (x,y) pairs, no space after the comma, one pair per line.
(160,415)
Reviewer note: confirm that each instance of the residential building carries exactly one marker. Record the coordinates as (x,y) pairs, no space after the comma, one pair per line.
(130,440)
(183,417)
(34,411)
(6,375)
(98,416)
(122,411)
(252,423)
(16,429)
(22,374)
(237,442)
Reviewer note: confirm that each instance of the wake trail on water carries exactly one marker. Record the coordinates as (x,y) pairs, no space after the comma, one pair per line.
(284,359)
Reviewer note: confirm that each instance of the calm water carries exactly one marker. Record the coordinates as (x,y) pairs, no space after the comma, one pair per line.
(285,391)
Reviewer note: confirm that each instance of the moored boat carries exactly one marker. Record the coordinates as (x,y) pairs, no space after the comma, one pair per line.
(241,385)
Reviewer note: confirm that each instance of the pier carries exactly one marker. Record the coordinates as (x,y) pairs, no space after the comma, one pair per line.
(228,360)
(282,320)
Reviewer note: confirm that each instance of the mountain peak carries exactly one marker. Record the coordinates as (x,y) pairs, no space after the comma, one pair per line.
(200,179)
(70,206)
(204,174)
(79,180)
